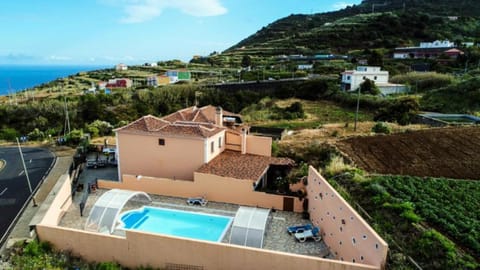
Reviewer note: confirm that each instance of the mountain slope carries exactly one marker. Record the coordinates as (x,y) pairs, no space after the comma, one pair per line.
(393,24)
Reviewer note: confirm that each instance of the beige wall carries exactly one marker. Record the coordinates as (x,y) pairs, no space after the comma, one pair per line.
(258,145)
(144,249)
(61,202)
(138,249)
(343,229)
(233,141)
(142,155)
(216,149)
(215,188)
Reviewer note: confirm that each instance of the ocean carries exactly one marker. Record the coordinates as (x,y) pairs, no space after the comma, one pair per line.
(14,78)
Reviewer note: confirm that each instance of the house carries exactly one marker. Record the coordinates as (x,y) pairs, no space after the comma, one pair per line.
(121,67)
(208,151)
(305,67)
(158,80)
(351,79)
(428,50)
(119,83)
(204,133)
(178,75)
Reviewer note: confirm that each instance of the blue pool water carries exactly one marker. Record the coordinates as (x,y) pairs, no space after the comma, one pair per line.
(177,223)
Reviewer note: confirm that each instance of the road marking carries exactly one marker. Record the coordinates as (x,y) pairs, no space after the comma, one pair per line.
(22,172)
(3,191)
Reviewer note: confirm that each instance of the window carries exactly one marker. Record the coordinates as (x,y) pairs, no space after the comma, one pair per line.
(220,142)
(375,78)
(348,78)
(212,147)
(161,141)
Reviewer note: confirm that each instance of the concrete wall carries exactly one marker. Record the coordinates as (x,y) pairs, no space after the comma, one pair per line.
(215,188)
(177,159)
(138,249)
(257,145)
(349,237)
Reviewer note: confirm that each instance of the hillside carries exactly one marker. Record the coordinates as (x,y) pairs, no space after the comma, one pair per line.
(393,23)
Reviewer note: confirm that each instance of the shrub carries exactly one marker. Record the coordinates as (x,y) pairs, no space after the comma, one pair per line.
(381,127)
(336,166)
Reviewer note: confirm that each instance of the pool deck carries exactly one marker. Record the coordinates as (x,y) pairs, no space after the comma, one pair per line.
(276,237)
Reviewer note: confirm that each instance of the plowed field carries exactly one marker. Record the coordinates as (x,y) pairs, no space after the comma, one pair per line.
(446,152)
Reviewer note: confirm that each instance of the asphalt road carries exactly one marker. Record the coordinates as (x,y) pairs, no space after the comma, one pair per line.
(14,191)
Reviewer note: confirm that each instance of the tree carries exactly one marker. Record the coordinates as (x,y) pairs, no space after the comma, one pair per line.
(246,61)
(369,87)
(375,59)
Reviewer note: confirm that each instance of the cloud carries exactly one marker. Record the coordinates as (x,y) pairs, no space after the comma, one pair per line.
(58,58)
(341,5)
(138,11)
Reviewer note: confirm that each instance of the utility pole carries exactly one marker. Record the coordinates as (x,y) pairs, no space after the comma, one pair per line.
(356,112)
(67,118)
(26,174)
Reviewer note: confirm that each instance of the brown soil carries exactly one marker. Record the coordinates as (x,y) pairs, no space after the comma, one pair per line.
(452,152)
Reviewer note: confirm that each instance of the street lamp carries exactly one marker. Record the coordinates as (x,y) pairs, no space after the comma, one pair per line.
(26,174)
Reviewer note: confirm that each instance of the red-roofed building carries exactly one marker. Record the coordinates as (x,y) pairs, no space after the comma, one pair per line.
(177,145)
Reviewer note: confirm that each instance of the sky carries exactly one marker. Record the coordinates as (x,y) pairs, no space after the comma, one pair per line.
(96,32)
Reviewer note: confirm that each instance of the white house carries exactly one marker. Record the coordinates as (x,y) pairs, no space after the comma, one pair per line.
(121,66)
(351,79)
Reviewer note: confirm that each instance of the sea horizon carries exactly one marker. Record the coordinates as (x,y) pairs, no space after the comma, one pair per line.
(19,77)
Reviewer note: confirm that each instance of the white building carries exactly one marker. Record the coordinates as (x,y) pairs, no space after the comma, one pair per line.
(351,79)
(437,44)
(121,66)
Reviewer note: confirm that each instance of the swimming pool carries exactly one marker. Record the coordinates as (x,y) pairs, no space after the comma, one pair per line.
(177,223)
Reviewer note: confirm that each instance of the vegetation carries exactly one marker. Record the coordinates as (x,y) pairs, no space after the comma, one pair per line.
(40,255)
(435,221)
(422,82)
(463,97)
(381,127)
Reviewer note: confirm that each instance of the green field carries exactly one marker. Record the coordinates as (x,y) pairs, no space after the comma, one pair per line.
(433,220)
(317,113)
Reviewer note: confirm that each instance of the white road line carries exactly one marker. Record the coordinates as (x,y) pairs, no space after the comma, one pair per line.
(3,191)
(22,172)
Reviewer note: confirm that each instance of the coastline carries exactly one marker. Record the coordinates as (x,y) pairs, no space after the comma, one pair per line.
(18,78)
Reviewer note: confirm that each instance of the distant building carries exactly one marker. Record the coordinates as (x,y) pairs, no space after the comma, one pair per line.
(178,75)
(305,67)
(428,50)
(121,67)
(352,79)
(119,83)
(158,80)
(153,64)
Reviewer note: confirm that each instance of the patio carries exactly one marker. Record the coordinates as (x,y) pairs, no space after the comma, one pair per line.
(276,237)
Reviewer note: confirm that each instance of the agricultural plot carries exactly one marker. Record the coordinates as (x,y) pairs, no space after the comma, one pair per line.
(450,206)
(447,152)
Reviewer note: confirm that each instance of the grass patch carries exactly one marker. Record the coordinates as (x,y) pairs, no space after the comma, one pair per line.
(317,113)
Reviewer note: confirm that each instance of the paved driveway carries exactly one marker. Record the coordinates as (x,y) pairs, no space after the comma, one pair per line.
(14,191)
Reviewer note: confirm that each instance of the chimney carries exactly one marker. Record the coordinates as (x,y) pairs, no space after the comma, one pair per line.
(244,141)
(219,116)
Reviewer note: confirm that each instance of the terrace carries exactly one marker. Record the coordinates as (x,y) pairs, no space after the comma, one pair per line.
(276,237)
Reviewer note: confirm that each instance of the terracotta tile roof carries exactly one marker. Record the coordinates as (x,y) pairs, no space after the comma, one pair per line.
(148,123)
(192,121)
(241,166)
